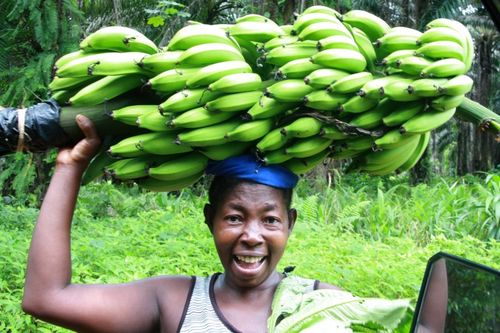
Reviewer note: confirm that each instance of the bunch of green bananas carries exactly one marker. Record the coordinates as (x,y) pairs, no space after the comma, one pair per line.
(330,85)
(106,66)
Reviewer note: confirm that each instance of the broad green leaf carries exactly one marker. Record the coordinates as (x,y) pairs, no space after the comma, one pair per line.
(156,21)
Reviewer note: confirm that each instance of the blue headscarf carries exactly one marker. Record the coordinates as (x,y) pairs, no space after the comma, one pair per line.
(247,167)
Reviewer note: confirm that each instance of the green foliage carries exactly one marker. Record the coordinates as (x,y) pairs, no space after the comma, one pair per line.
(348,236)
(381,207)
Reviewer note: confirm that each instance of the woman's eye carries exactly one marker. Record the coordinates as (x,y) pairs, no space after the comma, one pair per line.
(271,220)
(233,218)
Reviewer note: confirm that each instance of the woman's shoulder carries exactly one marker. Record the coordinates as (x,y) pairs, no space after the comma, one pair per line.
(323,285)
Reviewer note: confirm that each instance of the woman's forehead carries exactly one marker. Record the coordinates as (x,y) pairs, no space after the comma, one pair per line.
(254,193)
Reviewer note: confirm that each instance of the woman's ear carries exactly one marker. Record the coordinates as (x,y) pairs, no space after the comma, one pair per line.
(208,212)
(292,217)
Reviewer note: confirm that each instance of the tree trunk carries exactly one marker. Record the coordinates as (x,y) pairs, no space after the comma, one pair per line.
(272,8)
(420,172)
(288,10)
(117,10)
(478,151)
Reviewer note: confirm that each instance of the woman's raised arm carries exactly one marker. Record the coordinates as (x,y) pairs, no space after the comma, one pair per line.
(48,293)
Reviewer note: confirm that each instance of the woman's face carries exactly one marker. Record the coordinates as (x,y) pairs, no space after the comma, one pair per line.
(250,229)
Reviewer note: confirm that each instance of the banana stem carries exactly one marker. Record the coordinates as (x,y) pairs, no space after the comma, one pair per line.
(486,119)
(100,115)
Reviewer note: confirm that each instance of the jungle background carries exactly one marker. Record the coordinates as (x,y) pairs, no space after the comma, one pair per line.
(369,235)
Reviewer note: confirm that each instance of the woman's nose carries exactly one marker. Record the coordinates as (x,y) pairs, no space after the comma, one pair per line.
(252,233)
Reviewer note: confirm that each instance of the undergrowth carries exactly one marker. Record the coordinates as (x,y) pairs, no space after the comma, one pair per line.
(369,236)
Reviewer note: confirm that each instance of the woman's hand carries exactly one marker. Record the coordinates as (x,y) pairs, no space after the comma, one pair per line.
(80,155)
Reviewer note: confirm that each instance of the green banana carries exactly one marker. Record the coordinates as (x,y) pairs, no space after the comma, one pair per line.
(118,64)
(444,68)
(226,150)
(234,102)
(96,166)
(168,185)
(70,57)
(187,99)
(296,69)
(324,101)
(282,55)
(442,49)
(268,107)
(332,132)
(444,103)
(401,112)
(276,157)
(438,34)
(358,104)
(417,154)
(129,114)
(359,143)
(105,89)
(373,118)
(70,83)
(347,60)
(337,42)
(413,65)
(366,48)
(181,167)
(235,83)
(193,35)
(160,62)
(271,141)
(393,58)
(210,53)
(171,80)
(375,88)
(390,159)
(256,31)
(320,30)
(303,148)
(209,135)
(301,166)
(63,96)
(459,85)
(350,83)
(467,43)
(279,41)
(307,19)
(322,78)
(288,91)
(395,41)
(392,139)
(321,9)
(303,127)
(253,18)
(79,67)
(120,39)
(131,146)
(198,118)
(427,87)
(163,143)
(251,131)
(214,72)
(426,121)
(343,154)
(400,91)
(251,54)
(373,26)
(154,121)
(133,168)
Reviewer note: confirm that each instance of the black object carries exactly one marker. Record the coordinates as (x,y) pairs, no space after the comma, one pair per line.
(41,128)
(493,8)
(458,295)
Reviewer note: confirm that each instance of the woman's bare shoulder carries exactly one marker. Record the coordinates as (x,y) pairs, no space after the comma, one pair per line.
(323,285)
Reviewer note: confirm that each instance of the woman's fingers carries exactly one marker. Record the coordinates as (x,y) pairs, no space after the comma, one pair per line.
(87,127)
(86,148)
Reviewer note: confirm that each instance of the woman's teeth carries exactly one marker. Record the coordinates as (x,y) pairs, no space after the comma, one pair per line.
(249,260)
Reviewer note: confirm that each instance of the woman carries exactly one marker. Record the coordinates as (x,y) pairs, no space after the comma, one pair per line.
(250,223)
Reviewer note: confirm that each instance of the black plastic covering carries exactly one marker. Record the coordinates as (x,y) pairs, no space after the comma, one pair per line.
(41,128)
